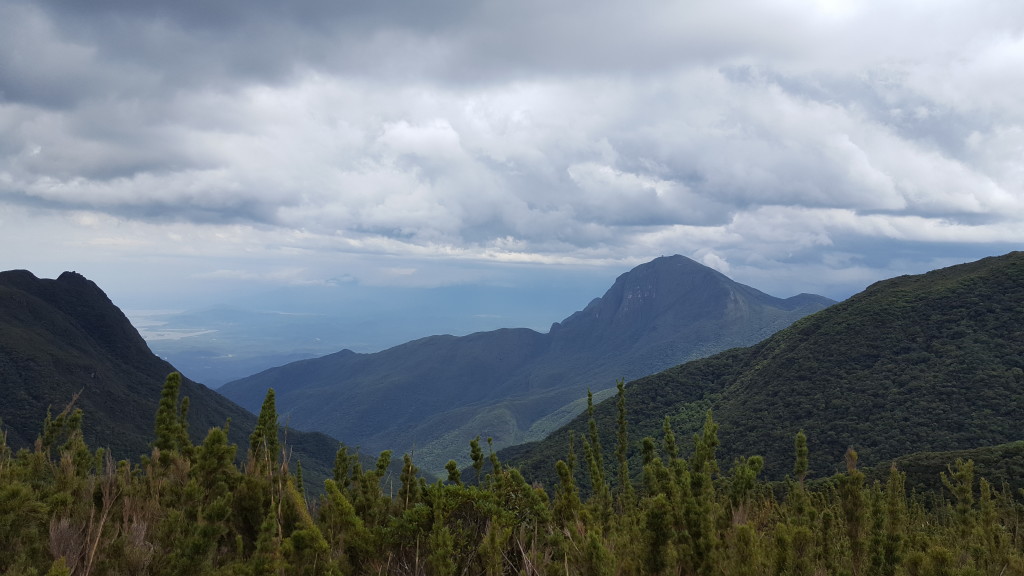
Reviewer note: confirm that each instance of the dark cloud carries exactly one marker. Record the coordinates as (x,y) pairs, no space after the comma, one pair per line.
(185,45)
(800,134)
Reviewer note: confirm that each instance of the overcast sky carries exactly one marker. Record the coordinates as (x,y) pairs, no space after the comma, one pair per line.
(188,147)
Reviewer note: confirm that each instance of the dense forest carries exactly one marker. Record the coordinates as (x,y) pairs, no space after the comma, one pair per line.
(191,509)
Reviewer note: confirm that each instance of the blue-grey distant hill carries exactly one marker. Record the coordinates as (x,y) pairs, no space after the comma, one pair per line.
(432,395)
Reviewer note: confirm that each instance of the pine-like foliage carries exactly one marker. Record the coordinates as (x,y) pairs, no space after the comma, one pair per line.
(66,509)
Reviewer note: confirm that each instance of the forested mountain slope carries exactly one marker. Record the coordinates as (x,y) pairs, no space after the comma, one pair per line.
(931,362)
(433,395)
(63,337)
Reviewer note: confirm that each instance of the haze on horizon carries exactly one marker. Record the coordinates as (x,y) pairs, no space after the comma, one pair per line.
(186,154)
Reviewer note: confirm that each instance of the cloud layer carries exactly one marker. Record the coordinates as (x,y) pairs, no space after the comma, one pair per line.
(832,139)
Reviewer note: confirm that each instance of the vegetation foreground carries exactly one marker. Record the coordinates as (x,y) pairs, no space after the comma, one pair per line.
(188,509)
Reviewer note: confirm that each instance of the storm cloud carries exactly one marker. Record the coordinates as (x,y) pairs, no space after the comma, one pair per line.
(821,144)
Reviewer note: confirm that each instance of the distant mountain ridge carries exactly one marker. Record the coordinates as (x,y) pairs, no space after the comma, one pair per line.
(433,395)
(62,337)
(916,364)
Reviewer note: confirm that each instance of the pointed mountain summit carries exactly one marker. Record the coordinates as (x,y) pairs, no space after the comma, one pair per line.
(649,308)
(63,337)
(434,394)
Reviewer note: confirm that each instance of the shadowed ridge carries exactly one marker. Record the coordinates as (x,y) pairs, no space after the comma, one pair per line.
(17,278)
(62,337)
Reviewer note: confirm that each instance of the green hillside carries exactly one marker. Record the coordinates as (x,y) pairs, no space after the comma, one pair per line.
(1000,464)
(925,363)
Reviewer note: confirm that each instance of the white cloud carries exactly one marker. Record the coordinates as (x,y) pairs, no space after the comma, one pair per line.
(747,134)
(713,260)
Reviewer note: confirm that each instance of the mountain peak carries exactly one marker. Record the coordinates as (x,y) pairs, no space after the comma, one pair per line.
(675,264)
(667,290)
(17,278)
(72,277)
(670,261)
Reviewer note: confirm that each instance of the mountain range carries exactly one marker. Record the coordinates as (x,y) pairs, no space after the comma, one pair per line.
(431,396)
(914,370)
(64,337)
(925,363)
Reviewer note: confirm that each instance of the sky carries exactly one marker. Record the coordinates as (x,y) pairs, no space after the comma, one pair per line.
(187,153)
